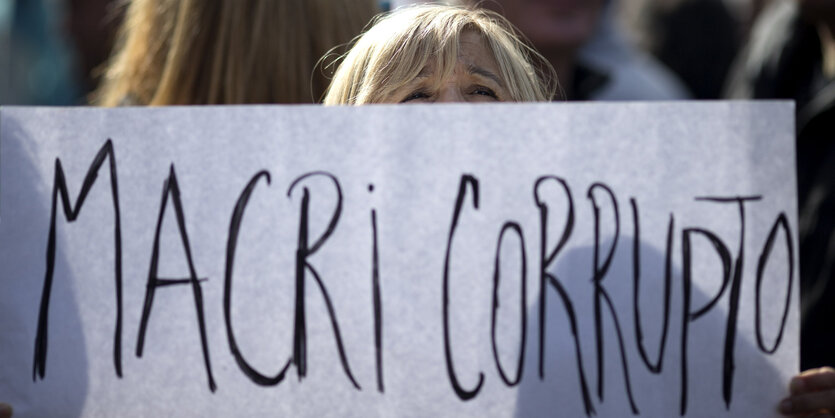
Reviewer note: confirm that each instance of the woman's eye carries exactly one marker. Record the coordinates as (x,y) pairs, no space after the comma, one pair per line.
(415,96)
(485,91)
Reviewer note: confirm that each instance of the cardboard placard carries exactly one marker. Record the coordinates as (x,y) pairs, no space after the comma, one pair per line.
(448,260)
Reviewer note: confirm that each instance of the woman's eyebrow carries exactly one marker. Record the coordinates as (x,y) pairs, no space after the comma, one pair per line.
(474,69)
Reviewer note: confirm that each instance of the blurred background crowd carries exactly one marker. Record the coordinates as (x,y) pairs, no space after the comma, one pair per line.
(158,52)
(55,51)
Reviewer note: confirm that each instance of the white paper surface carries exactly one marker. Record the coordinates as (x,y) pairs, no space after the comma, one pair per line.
(707,180)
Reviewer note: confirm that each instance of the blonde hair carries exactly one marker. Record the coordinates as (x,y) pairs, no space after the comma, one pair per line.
(227,51)
(399,44)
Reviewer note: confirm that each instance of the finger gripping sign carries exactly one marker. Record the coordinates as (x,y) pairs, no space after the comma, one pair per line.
(448,260)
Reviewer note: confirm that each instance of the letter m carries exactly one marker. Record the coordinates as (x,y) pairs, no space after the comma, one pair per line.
(71,212)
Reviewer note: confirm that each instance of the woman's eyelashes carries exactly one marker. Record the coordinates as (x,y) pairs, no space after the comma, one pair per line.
(417,95)
(484,91)
(478,92)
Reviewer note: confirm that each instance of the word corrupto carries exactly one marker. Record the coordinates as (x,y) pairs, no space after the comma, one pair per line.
(467,199)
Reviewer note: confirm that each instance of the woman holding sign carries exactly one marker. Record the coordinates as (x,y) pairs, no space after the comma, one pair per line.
(440,54)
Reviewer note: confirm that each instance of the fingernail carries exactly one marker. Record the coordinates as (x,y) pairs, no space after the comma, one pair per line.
(785,406)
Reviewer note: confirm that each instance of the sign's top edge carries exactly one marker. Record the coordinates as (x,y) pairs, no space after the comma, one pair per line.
(649,103)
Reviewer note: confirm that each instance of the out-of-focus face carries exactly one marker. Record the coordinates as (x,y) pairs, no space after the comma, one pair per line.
(552,25)
(475,78)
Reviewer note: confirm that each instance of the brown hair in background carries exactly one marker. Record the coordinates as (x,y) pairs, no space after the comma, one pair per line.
(178,52)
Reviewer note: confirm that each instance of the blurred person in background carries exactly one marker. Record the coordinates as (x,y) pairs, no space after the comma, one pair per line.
(181,52)
(696,39)
(791,55)
(36,64)
(584,43)
(50,49)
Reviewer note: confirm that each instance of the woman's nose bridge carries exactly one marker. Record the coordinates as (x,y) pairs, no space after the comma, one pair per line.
(450,93)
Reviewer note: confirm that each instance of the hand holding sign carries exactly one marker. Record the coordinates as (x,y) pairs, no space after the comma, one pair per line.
(812,394)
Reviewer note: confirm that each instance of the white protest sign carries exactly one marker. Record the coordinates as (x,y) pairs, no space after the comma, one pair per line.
(446,260)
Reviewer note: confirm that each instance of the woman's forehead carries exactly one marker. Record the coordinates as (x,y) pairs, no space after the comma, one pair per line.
(474,50)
